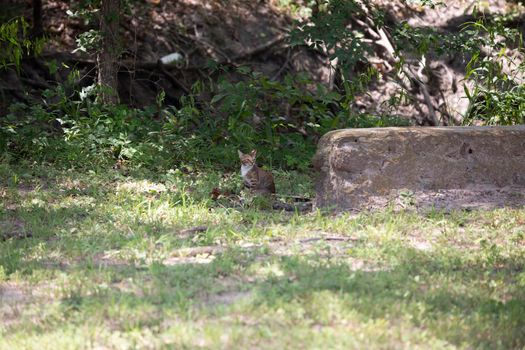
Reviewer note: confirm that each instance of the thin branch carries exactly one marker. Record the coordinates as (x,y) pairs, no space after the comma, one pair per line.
(384,41)
(256,50)
(285,64)
(174,81)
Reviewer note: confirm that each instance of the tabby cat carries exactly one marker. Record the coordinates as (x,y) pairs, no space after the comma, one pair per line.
(256,179)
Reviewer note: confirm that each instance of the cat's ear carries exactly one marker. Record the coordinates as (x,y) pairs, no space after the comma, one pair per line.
(253,153)
(240,153)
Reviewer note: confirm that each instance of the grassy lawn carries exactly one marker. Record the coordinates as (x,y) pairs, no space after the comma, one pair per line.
(152,261)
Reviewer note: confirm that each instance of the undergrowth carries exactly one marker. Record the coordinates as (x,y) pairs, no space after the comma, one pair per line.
(282,120)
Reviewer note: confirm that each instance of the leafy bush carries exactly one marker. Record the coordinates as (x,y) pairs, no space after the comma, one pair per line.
(15,42)
(490,45)
(329,30)
(497,95)
(96,137)
(283,120)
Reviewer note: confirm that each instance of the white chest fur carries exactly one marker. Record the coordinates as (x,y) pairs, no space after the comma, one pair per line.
(245,169)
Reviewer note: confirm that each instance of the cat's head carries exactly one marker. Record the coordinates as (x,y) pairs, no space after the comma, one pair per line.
(248,158)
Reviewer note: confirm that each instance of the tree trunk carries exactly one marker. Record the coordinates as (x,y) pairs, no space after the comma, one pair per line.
(107,59)
(38,28)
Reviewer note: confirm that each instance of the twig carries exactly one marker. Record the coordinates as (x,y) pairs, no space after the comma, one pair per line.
(194,251)
(328,238)
(426,95)
(79,80)
(193,230)
(402,83)
(34,83)
(288,55)
(279,38)
(385,43)
(174,81)
(300,206)
(333,69)
(296,198)
(16,92)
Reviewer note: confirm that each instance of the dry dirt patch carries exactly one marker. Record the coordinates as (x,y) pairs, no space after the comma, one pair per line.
(13,228)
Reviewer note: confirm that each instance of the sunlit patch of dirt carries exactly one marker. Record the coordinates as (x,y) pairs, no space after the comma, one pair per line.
(72,185)
(109,258)
(194,255)
(143,186)
(202,259)
(328,246)
(12,297)
(228,298)
(16,297)
(449,200)
(12,293)
(13,228)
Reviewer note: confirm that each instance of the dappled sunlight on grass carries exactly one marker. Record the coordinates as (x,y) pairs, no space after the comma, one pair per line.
(130,263)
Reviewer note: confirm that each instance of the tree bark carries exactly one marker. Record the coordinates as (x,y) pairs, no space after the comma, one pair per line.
(107,59)
(38,28)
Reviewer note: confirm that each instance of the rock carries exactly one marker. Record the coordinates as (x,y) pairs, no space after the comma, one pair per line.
(444,167)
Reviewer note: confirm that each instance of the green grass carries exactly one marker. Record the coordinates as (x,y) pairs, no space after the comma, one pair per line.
(110,264)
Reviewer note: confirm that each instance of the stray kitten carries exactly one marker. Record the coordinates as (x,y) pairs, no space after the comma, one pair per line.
(256,179)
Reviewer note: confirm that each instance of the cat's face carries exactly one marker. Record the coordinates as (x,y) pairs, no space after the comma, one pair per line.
(247,159)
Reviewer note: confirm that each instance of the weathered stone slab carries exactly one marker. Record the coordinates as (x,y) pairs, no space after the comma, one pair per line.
(445,167)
